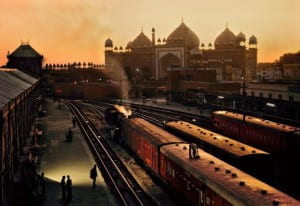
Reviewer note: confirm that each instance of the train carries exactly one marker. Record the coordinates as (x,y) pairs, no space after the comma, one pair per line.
(270,136)
(202,179)
(243,156)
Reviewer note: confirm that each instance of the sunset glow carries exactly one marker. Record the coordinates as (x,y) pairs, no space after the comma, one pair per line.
(75,30)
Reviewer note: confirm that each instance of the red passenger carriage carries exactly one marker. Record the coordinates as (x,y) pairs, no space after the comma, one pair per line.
(244,156)
(270,136)
(205,181)
(145,139)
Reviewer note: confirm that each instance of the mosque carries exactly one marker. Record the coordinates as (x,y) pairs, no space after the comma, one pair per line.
(231,55)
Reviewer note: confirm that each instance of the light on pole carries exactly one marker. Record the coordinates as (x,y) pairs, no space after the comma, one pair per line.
(243,97)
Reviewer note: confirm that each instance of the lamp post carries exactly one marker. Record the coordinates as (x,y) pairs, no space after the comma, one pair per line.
(243,97)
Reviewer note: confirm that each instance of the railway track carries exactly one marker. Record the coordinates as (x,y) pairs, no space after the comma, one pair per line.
(157,118)
(158,115)
(121,183)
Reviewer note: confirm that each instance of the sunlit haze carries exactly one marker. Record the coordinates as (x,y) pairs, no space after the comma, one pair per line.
(75,30)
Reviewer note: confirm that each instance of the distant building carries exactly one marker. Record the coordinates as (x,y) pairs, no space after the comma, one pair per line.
(181,49)
(290,64)
(195,85)
(289,92)
(291,71)
(287,68)
(26,59)
(269,72)
(274,98)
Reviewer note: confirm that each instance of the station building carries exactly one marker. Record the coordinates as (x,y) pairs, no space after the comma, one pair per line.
(230,55)
(26,59)
(19,97)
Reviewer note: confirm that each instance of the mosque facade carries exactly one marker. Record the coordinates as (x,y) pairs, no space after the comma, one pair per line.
(231,55)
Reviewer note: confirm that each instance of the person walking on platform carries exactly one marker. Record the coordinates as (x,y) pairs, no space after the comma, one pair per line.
(74,121)
(69,189)
(63,188)
(69,135)
(93,175)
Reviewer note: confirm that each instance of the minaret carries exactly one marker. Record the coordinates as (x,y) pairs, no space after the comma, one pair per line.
(153,37)
(252,57)
(153,69)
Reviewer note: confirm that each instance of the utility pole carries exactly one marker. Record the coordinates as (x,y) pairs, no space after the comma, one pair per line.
(244,96)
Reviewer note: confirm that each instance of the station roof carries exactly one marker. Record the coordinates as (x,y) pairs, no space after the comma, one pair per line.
(258,121)
(12,83)
(227,144)
(25,51)
(232,184)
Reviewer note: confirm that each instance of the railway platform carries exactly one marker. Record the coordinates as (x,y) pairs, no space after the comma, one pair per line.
(68,158)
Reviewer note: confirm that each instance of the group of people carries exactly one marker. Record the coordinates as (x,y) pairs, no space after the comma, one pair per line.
(66,185)
(66,189)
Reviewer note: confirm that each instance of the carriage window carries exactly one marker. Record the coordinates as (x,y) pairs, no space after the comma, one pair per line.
(201,196)
(207,201)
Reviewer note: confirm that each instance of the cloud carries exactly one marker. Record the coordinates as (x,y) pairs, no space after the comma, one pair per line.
(62,29)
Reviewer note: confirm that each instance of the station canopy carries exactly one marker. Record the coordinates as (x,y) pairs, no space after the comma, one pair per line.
(12,83)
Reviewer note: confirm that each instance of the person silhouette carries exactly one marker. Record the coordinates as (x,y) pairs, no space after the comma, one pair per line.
(43,184)
(93,175)
(74,121)
(63,188)
(69,189)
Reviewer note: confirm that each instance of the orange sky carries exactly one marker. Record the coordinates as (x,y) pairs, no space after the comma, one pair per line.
(75,30)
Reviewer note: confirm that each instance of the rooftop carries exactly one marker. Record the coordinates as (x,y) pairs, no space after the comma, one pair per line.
(259,121)
(24,50)
(235,186)
(225,143)
(158,135)
(12,83)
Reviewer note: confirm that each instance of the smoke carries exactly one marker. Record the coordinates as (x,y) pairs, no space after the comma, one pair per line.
(126,112)
(117,73)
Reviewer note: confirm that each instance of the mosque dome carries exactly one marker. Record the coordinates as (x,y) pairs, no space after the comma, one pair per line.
(252,40)
(226,39)
(108,43)
(141,41)
(241,37)
(183,35)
